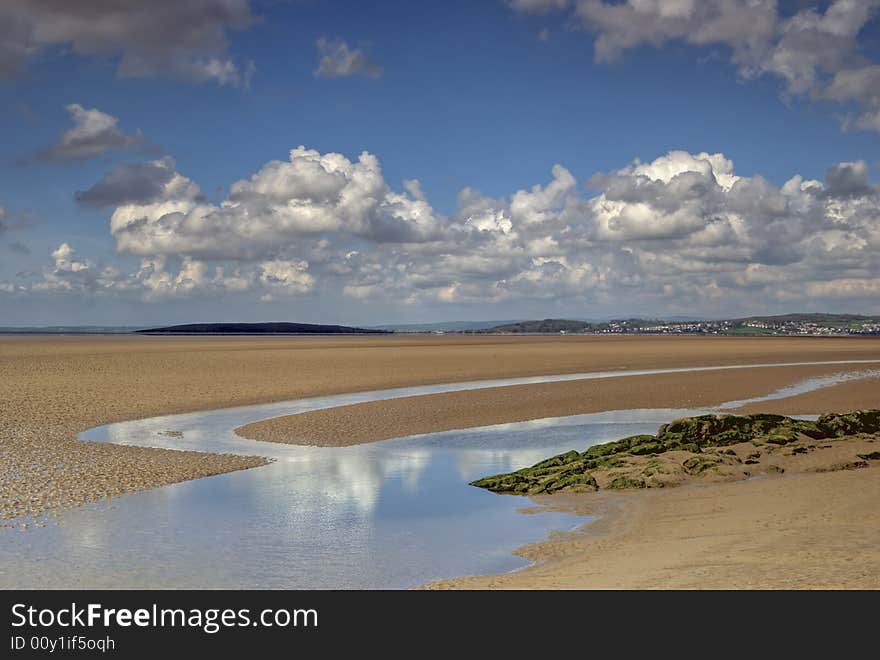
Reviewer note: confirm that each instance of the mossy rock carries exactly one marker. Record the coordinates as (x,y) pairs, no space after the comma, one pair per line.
(851,423)
(646,448)
(698,435)
(560,459)
(699,464)
(573,482)
(623,482)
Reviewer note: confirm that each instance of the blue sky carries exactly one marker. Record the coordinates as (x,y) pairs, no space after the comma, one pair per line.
(488,96)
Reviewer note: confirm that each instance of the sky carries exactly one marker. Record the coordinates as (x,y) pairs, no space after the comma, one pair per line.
(172,161)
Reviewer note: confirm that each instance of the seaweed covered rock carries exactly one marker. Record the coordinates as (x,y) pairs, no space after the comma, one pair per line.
(851,423)
(722,430)
(706,438)
(624,481)
(699,464)
(536,481)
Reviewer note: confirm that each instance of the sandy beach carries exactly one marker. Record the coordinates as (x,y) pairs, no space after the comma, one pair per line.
(800,531)
(55,387)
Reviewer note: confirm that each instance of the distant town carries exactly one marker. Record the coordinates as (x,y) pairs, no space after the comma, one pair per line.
(831,325)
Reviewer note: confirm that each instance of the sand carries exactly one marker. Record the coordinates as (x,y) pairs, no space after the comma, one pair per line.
(815,530)
(393,418)
(853,395)
(803,531)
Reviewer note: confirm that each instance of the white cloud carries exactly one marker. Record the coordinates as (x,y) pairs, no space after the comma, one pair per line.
(287,277)
(92,134)
(64,260)
(845,288)
(541,204)
(73,275)
(180,38)
(269,279)
(338,60)
(861,85)
(161,284)
(307,195)
(816,53)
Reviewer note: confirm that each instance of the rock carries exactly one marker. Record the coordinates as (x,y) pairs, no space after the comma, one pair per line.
(851,465)
(699,464)
(851,423)
(706,437)
(626,482)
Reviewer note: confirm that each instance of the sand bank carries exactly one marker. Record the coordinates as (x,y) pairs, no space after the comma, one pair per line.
(54,387)
(393,418)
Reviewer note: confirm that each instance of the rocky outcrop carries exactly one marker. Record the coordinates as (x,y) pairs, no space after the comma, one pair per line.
(706,445)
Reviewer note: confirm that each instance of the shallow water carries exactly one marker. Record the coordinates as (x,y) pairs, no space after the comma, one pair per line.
(390,514)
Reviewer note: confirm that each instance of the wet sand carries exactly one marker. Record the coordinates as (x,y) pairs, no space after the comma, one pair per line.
(802,531)
(853,395)
(394,418)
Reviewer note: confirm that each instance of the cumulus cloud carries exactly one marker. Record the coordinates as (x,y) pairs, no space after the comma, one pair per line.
(338,60)
(181,38)
(283,203)
(682,232)
(816,53)
(269,279)
(71,274)
(131,183)
(286,277)
(93,133)
(684,229)
(849,180)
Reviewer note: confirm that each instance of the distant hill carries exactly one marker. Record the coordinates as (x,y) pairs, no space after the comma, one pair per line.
(545,325)
(260,329)
(445,326)
(808,318)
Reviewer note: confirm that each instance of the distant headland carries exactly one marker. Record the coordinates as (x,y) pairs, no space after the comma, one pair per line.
(259,329)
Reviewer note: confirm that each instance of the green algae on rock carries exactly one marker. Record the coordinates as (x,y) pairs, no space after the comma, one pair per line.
(700,446)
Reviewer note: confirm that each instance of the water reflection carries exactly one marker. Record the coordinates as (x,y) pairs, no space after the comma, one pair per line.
(393,514)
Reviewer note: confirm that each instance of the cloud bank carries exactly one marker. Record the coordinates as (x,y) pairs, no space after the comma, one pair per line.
(683,231)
